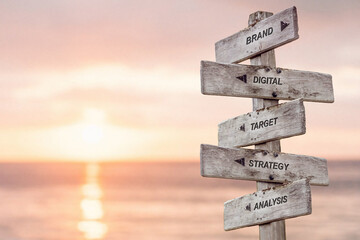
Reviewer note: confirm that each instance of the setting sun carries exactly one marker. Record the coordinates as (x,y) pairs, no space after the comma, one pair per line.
(93,138)
(92,133)
(92,130)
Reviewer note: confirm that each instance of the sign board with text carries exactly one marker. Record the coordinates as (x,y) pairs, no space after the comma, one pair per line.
(287,201)
(251,81)
(268,124)
(267,34)
(261,165)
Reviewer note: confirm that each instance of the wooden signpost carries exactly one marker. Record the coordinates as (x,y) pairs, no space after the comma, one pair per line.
(268,34)
(268,124)
(287,201)
(283,180)
(261,165)
(265,82)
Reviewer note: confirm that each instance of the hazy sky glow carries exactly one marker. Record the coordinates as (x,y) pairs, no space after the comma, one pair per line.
(119,80)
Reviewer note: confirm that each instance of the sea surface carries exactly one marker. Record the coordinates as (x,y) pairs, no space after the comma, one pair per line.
(162,201)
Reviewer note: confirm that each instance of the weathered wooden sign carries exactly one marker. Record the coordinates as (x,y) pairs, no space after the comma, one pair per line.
(270,121)
(268,124)
(287,201)
(265,82)
(267,34)
(261,165)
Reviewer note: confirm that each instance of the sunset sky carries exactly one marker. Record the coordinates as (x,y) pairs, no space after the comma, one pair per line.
(120,80)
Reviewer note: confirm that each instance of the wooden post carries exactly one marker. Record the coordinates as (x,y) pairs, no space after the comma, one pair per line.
(225,78)
(273,230)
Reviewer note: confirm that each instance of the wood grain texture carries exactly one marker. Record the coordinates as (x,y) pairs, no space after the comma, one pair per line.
(272,123)
(265,82)
(261,165)
(287,201)
(236,48)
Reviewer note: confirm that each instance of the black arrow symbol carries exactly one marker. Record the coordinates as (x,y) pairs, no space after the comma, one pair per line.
(242,78)
(248,207)
(242,127)
(283,25)
(240,161)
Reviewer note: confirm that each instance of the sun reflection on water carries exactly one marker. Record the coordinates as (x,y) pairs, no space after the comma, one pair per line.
(91,206)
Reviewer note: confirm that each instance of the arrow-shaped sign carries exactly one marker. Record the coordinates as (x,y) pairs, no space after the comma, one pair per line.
(267,34)
(272,123)
(291,200)
(261,165)
(251,81)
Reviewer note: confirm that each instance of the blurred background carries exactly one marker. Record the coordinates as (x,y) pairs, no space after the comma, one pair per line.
(102,118)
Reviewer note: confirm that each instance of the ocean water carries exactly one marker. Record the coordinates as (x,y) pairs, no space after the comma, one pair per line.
(62,201)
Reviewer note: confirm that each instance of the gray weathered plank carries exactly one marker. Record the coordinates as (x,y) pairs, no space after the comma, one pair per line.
(271,123)
(265,82)
(261,165)
(288,201)
(267,34)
